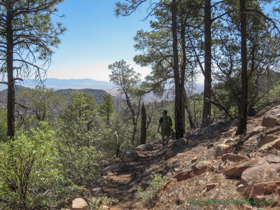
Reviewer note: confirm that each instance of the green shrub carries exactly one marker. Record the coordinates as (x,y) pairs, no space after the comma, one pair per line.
(155,186)
(102,200)
(30,177)
(81,139)
(3,125)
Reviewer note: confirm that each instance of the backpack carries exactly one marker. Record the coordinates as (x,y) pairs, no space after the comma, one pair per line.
(166,122)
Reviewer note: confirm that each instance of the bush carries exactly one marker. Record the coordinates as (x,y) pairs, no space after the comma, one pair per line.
(3,125)
(29,174)
(82,138)
(155,186)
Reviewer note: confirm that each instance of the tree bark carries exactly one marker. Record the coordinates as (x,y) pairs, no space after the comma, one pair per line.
(206,118)
(143,124)
(187,108)
(11,85)
(242,127)
(179,83)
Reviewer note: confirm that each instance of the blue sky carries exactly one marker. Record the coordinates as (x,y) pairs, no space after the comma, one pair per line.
(95,38)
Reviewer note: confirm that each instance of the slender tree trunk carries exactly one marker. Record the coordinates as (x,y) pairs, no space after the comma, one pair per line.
(206,118)
(179,86)
(11,86)
(242,127)
(143,124)
(187,108)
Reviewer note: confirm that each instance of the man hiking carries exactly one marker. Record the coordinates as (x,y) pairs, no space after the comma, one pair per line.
(165,123)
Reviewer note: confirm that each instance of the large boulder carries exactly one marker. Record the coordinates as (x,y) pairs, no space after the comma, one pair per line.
(271,117)
(112,168)
(147,147)
(263,165)
(267,139)
(178,144)
(274,144)
(79,204)
(201,167)
(221,149)
(237,170)
(130,155)
(263,188)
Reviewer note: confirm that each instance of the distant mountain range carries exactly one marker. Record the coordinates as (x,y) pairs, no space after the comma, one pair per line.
(58,84)
(96,88)
(97,94)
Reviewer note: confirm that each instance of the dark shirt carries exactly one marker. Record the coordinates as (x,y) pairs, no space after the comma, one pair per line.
(161,120)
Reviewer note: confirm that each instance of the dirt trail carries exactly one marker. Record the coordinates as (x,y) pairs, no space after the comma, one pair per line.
(121,185)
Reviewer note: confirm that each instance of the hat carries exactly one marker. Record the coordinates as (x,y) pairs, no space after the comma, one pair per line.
(164,111)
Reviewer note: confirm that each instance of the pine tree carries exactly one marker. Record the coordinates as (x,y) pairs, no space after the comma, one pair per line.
(27,34)
(106,109)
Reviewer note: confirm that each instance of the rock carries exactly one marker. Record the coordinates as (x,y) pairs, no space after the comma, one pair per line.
(97,191)
(183,154)
(79,204)
(237,170)
(259,128)
(233,157)
(229,141)
(112,168)
(274,144)
(200,183)
(269,121)
(222,166)
(168,154)
(104,207)
(147,147)
(184,175)
(221,149)
(201,167)
(271,117)
(130,155)
(211,186)
(178,144)
(188,135)
(263,188)
(272,159)
(267,139)
(194,159)
(263,165)
(170,183)
(240,187)
(247,207)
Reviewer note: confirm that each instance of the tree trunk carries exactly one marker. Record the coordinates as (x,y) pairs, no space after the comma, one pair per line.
(187,108)
(206,118)
(179,86)
(11,86)
(143,124)
(242,127)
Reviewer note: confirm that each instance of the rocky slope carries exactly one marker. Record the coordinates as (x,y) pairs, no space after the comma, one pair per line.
(211,168)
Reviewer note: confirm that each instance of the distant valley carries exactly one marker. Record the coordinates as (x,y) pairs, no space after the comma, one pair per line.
(96,88)
(58,84)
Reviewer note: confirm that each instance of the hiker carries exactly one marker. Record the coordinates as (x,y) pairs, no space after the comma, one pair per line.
(165,123)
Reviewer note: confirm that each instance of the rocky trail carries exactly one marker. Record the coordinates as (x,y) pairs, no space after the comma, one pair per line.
(211,168)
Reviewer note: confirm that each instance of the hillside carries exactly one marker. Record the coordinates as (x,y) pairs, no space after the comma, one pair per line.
(58,84)
(97,94)
(211,168)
